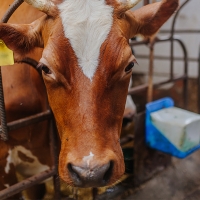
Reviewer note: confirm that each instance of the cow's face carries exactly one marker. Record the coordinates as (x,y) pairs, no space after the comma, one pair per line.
(86,66)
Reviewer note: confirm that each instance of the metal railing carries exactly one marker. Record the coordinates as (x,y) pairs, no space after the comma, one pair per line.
(171,39)
(6,127)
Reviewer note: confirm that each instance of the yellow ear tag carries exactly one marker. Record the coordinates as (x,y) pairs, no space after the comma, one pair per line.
(6,55)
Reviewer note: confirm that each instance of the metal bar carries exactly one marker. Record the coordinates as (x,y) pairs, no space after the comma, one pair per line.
(29,120)
(94,193)
(4,130)
(54,154)
(185,59)
(181,31)
(150,79)
(26,183)
(137,43)
(126,139)
(156,85)
(138,89)
(172,39)
(144,87)
(198,85)
(11,10)
(166,58)
(146,42)
(185,81)
(4,133)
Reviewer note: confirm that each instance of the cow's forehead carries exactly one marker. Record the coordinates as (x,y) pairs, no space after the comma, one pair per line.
(86,24)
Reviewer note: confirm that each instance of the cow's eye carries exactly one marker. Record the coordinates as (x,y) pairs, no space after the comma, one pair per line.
(129,67)
(44,68)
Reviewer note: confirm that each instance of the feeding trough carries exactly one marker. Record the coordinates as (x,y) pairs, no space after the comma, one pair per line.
(170,129)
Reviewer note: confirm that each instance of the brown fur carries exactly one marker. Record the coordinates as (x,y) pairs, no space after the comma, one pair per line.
(88,114)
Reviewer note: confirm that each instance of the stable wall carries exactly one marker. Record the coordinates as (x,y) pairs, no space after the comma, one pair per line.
(189,19)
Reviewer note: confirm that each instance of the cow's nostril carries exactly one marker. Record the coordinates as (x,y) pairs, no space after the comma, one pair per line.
(90,176)
(75,177)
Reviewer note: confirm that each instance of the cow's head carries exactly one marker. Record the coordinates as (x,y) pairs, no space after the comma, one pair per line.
(86,66)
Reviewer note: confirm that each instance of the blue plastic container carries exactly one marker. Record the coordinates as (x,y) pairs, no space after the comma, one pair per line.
(154,138)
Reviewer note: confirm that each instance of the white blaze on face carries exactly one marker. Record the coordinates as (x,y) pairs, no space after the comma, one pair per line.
(86,24)
(131,3)
(87,159)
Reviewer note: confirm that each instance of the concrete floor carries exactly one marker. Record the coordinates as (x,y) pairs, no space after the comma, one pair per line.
(181,181)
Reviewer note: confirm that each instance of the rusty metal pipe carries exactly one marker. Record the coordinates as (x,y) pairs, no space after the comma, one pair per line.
(138,89)
(137,43)
(28,120)
(11,10)
(4,194)
(185,81)
(144,87)
(126,139)
(4,129)
(150,77)
(181,31)
(166,58)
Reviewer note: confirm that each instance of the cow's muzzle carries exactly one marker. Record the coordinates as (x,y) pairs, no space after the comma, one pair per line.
(88,176)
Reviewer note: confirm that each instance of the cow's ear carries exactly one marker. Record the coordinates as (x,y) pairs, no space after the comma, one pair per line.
(148,19)
(21,39)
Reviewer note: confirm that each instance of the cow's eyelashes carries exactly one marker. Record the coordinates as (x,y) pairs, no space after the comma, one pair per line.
(129,67)
(44,68)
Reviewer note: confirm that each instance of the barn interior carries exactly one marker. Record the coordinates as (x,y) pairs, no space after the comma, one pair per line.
(168,65)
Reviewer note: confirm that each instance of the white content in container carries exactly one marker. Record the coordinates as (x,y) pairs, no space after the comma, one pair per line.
(180,127)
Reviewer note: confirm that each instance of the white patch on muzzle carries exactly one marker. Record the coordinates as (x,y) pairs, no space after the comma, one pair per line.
(87,159)
(86,24)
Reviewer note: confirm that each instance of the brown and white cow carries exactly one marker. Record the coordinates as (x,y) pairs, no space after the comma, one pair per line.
(86,66)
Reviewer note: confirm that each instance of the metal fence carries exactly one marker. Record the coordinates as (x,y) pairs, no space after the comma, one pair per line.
(47,115)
